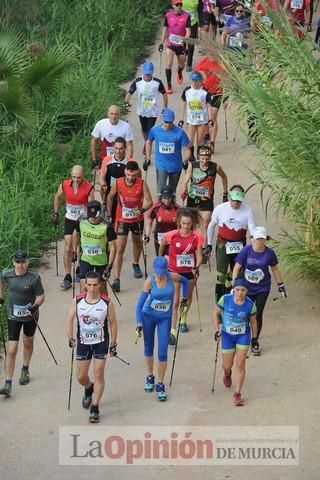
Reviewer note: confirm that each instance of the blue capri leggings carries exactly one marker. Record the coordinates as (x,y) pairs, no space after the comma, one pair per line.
(149,324)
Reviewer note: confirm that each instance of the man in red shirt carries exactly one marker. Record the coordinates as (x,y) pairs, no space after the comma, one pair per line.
(299,10)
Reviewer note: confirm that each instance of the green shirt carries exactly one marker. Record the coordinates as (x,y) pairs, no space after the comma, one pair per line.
(94,239)
(191,6)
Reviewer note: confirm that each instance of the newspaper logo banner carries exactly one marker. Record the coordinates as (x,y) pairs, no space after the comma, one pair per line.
(179,445)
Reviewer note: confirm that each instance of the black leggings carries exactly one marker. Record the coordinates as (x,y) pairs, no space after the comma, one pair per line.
(260,300)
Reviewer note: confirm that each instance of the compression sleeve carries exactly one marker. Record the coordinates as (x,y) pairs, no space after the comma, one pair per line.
(143,297)
(185,286)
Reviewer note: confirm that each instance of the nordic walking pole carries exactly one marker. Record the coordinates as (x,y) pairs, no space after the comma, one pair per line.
(144,254)
(198,306)
(114,293)
(3,337)
(215,368)
(226,123)
(56,247)
(71,375)
(121,360)
(235,133)
(161,62)
(74,259)
(175,350)
(44,339)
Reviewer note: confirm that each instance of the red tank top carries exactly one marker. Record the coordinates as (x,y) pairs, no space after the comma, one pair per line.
(165,218)
(182,250)
(129,199)
(79,198)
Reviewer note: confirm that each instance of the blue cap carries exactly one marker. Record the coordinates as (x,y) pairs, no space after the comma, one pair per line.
(147,68)
(168,115)
(240,282)
(160,266)
(196,76)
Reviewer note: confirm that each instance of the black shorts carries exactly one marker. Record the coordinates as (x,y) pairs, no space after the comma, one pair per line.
(14,328)
(97,350)
(70,226)
(123,228)
(147,123)
(216,101)
(202,205)
(207,18)
(178,50)
(86,267)
(187,275)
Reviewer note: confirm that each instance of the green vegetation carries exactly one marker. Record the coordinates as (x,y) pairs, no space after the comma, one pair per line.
(277,81)
(57,76)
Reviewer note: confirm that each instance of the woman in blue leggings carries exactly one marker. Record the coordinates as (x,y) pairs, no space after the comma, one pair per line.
(154,309)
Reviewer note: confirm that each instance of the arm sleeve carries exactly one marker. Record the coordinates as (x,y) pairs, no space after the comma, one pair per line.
(133,87)
(185,286)
(143,297)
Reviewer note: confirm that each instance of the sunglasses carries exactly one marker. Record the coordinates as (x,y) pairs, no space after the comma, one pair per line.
(178,4)
(239,11)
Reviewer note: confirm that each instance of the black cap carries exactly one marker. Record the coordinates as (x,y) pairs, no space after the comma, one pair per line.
(94,209)
(20,255)
(132,165)
(167,192)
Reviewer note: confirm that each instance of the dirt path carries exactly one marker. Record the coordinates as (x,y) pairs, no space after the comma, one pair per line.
(281,386)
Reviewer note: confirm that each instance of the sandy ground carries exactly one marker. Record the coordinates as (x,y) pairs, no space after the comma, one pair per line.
(281,386)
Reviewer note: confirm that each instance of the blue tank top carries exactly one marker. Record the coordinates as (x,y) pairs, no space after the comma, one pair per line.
(160,300)
(235,317)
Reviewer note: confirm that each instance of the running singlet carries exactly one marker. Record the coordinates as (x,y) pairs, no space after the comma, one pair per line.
(76,203)
(107,132)
(176,25)
(235,317)
(191,7)
(202,181)
(160,300)
(196,100)
(212,82)
(148,104)
(182,250)
(233,224)
(166,219)
(93,240)
(92,319)
(23,290)
(109,159)
(255,266)
(130,198)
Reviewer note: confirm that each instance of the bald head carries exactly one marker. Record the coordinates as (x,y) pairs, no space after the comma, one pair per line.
(77,174)
(114,114)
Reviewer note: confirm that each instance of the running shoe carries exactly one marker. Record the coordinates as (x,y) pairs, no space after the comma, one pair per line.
(87,397)
(184,327)
(116,285)
(6,390)
(169,90)
(256,352)
(173,337)
(161,392)
(94,416)
(149,385)
(136,270)
(67,282)
(227,380)
(24,377)
(237,400)
(179,77)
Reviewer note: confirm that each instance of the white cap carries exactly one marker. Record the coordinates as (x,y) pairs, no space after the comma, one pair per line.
(260,232)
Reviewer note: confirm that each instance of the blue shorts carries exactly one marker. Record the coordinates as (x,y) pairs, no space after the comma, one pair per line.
(230,343)
(99,351)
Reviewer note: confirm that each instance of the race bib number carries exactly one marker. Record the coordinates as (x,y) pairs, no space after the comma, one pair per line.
(160,237)
(74,211)
(296,4)
(236,329)
(92,250)
(166,147)
(128,213)
(109,151)
(91,334)
(233,247)
(176,39)
(254,276)
(185,260)
(196,116)
(235,42)
(160,305)
(20,311)
(199,191)
(148,100)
